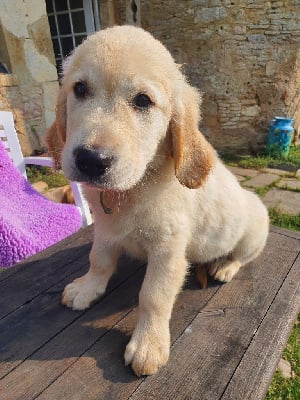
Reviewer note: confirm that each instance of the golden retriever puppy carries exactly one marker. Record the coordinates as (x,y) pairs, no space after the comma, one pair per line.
(129,123)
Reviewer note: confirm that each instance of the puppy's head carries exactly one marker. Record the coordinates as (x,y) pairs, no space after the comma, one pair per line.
(122,97)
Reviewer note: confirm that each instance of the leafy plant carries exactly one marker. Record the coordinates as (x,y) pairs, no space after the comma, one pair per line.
(37,173)
(261,161)
(284,220)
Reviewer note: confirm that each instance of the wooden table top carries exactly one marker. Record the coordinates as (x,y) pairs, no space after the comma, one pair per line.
(226,339)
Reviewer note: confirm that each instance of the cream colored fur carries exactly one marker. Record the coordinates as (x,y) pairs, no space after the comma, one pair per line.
(173,202)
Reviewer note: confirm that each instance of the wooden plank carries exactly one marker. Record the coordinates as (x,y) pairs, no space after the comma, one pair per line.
(46,316)
(30,287)
(252,377)
(207,347)
(85,360)
(49,362)
(60,353)
(285,232)
(42,271)
(204,359)
(101,369)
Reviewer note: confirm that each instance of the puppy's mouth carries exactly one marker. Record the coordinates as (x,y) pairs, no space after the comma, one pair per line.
(91,167)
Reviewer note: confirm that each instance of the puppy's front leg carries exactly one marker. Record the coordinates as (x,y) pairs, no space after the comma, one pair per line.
(83,291)
(149,346)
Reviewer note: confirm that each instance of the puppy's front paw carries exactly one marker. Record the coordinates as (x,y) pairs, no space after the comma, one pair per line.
(147,353)
(82,292)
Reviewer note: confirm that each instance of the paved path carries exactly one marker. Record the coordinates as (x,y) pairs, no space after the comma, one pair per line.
(280,188)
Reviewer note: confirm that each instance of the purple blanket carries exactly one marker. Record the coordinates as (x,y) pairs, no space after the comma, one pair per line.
(28,222)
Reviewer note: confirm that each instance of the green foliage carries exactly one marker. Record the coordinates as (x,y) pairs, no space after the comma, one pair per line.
(282,220)
(294,155)
(261,161)
(288,389)
(261,191)
(255,162)
(38,173)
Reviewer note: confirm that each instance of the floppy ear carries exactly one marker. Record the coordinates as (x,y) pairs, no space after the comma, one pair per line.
(56,135)
(193,155)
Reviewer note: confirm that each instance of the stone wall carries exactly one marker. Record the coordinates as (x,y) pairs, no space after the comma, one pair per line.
(26,50)
(244,55)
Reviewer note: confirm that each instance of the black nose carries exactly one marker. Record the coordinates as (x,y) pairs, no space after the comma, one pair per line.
(91,162)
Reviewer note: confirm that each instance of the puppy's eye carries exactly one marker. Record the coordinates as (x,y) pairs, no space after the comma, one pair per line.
(80,90)
(142,102)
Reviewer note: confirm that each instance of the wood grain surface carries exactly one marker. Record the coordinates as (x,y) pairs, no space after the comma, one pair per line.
(226,339)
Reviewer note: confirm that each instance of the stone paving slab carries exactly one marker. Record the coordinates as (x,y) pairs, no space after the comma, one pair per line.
(243,171)
(240,178)
(288,202)
(276,171)
(289,183)
(261,180)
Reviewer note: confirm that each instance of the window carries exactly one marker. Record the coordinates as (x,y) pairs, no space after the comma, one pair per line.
(70,22)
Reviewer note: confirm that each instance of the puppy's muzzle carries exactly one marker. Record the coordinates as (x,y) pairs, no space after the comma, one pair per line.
(91,162)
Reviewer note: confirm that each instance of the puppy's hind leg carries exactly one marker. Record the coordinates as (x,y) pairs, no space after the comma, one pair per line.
(247,249)
(243,253)
(225,271)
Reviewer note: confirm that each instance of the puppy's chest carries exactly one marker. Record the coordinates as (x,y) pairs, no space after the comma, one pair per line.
(134,246)
(132,237)
(135,226)
(139,236)
(136,233)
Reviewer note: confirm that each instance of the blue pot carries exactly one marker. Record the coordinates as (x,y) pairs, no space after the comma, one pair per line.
(280,136)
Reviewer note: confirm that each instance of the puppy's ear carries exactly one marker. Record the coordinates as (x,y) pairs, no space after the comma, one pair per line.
(193,155)
(56,135)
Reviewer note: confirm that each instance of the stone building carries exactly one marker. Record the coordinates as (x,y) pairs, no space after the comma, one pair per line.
(244,55)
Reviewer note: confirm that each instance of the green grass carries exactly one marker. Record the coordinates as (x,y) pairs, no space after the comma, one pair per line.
(286,221)
(45,174)
(261,191)
(288,389)
(261,161)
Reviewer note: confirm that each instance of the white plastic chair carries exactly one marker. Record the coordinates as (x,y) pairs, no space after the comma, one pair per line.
(9,137)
